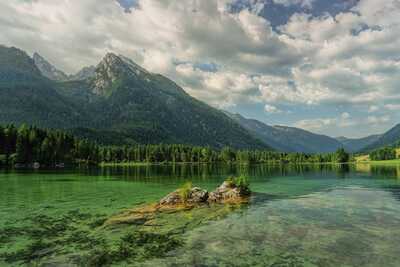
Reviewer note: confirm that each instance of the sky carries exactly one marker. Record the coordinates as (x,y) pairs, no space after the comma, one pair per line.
(328,66)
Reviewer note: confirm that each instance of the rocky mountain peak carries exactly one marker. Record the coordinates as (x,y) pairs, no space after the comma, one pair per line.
(47,69)
(112,62)
(112,69)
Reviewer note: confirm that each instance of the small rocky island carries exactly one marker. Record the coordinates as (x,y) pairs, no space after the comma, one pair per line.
(232,191)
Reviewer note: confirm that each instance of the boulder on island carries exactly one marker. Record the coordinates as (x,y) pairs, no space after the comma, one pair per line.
(181,196)
(233,190)
(229,191)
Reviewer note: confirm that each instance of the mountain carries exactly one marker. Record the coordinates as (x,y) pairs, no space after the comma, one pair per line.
(122,103)
(16,67)
(356,145)
(391,137)
(288,139)
(48,70)
(153,109)
(28,97)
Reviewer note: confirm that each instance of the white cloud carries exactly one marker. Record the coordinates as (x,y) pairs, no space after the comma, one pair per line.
(378,120)
(302,3)
(316,124)
(344,120)
(345,115)
(272,109)
(392,107)
(373,109)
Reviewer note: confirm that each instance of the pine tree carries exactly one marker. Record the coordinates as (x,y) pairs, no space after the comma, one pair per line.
(2,141)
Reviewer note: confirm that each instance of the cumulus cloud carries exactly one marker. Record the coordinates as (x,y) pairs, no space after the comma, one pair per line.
(272,109)
(378,120)
(393,107)
(302,3)
(373,109)
(344,120)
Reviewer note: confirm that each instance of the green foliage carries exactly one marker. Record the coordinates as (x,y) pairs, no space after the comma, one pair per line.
(386,153)
(27,145)
(48,147)
(228,154)
(184,191)
(241,182)
(341,156)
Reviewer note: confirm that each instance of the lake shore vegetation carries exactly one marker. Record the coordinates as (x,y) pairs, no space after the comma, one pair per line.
(29,146)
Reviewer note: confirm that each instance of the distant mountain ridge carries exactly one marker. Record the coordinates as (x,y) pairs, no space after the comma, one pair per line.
(83,74)
(121,103)
(358,144)
(51,72)
(288,139)
(389,138)
(48,70)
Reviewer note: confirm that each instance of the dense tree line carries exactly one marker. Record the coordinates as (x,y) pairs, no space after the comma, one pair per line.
(185,153)
(386,153)
(27,145)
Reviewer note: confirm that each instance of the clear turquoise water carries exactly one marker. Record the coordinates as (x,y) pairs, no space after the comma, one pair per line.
(298,216)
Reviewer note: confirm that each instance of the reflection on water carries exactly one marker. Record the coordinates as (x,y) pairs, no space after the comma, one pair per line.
(300,215)
(389,171)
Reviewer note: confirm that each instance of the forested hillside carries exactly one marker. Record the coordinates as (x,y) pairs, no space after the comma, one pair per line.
(288,139)
(391,137)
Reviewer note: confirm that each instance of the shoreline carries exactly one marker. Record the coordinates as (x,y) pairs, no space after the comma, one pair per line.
(134,164)
(148,164)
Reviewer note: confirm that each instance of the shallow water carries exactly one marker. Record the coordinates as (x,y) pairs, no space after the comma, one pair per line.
(298,216)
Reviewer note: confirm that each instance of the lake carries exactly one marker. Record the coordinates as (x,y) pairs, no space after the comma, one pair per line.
(298,216)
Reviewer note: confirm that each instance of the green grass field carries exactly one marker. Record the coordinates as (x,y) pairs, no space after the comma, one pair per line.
(365,159)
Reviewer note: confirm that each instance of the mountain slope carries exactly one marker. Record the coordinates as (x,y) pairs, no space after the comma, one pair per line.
(288,139)
(122,103)
(356,145)
(153,109)
(48,70)
(51,72)
(16,67)
(28,97)
(389,138)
